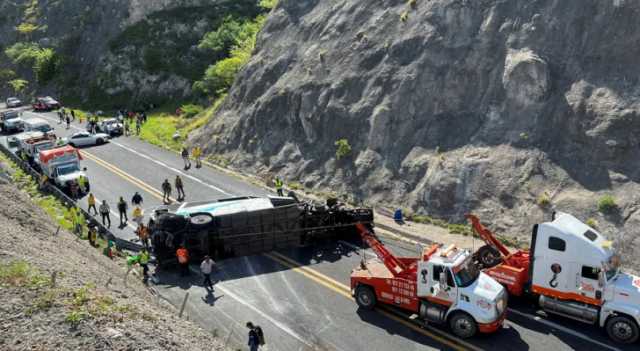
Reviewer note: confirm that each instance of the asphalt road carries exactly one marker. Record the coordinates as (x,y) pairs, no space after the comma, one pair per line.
(300,296)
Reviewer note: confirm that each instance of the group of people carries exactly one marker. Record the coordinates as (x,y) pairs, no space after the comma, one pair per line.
(166,190)
(67,117)
(130,117)
(196,153)
(105,210)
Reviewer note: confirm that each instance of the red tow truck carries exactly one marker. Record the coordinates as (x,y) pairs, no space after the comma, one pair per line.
(441,286)
(572,271)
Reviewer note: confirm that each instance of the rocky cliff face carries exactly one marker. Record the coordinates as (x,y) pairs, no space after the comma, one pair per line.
(449,106)
(119,52)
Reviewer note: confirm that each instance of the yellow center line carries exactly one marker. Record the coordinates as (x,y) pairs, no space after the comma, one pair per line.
(345,291)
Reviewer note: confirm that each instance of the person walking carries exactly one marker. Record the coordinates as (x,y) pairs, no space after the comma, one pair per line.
(104,212)
(197,153)
(68,119)
(60,117)
(73,115)
(256,337)
(138,125)
(166,191)
(183,260)
(206,267)
(122,209)
(91,200)
(185,158)
(279,186)
(179,188)
(137,199)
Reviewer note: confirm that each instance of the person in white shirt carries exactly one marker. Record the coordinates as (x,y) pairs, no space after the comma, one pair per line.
(207,267)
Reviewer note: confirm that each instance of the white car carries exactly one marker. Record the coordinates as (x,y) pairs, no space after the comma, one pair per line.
(86,139)
(13,102)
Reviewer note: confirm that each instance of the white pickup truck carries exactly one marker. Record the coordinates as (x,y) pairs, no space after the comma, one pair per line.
(10,121)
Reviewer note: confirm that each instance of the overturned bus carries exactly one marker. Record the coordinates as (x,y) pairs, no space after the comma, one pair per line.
(248,225)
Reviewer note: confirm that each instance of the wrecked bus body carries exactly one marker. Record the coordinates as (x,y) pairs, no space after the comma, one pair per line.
(248,225)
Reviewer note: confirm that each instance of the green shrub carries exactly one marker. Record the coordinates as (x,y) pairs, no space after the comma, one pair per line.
(268,4)
(412,3)
(607,204)
(21,274)
(592,222)
(75,317)
(44,61)
(421,219)
(343,148)
(191,110)
(18,85)
(404,16)
(295,186)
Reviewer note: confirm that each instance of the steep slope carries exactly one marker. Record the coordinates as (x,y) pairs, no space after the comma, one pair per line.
(114,53)
(80,312)
(506,108)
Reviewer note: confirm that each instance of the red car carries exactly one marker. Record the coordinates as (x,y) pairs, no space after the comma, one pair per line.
(46,103)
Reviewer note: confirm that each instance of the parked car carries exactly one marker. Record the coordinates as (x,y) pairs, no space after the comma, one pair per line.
(10,121)
(38,125)
(86,139)
(46,103)
(13,102)
(109,126)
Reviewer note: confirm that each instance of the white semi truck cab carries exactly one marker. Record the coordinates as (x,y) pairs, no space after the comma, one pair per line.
(576,272)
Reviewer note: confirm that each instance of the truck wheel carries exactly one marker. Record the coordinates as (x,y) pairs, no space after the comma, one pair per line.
(200,220)
(463,325)
(622,329)
(365,297)
(488,256)
(99,142)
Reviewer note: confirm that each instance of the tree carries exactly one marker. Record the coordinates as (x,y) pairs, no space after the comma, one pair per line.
(18,85)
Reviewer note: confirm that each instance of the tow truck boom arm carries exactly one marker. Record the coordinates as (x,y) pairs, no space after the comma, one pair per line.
(487,235)
(395,266)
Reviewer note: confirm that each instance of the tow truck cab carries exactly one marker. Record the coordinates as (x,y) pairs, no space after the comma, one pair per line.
(443,286)
(577,274)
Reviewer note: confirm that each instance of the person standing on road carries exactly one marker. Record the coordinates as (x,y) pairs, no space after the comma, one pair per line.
(73,115)
(60,117)
(256,337)
(166,191)
(73,187)
(82,183)
(185,157)
(279,186)
(137,214)
(183,260)
(138,125)
(137,199)
(104,212)
(197,153)
(206,267)
(68,119)
(91,200)
(122,209)
(179,188)
(143,235)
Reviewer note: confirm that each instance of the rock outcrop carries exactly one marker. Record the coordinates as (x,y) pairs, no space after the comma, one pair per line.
(449,106)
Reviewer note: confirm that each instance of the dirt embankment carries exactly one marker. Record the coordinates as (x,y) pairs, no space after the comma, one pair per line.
(79,312)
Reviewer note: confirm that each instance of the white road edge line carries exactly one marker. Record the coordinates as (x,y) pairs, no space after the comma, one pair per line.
(563,329)
(258,311)
(186,175)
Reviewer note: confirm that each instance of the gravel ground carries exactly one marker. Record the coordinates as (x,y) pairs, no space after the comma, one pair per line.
(80,312)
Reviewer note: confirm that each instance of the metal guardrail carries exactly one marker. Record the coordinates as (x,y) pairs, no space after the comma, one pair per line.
(103,231)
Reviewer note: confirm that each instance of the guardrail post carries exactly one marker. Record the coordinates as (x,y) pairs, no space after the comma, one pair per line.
(184,304)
